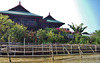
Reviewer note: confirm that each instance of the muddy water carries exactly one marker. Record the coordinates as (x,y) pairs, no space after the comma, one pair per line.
(94,58)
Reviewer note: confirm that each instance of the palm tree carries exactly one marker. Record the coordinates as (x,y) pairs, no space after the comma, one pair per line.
(78,29)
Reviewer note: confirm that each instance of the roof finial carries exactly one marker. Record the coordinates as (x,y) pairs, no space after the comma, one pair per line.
(49,13)
(19,2)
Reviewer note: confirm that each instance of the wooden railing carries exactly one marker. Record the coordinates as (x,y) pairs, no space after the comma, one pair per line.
(44,49)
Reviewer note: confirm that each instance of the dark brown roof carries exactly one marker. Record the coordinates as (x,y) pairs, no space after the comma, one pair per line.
(19,8)
(49,18)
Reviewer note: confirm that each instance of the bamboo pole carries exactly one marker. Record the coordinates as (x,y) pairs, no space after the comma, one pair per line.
(8,51)
(52,51)
(50,48)
(56,48)
(24,46)
(42,49)
(63,48)
(71,48)
(15,51)
(92,49)
(32,51)
(80,51)
(67,50)
(1,49)
(95,48)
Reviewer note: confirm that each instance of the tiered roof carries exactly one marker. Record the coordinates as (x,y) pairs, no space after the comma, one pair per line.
(19,10)
(49,18)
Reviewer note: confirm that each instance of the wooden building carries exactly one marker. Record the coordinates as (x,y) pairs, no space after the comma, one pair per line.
(22,16)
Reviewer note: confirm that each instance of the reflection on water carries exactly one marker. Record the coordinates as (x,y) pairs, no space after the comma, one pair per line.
(94,58)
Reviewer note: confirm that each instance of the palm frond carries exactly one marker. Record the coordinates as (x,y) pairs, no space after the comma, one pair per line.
(72,27)
(85,33)
(81,25)
(83,28)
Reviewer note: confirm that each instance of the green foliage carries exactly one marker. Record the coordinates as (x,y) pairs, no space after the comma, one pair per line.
(59,38)
(95,37)
(31,37)
(41,35)
(78,29)
(72,27)
(11,31)
(77,37)
(49,35)
(51,29)
(5,26)
(16,33)
(19,32)
(84,40)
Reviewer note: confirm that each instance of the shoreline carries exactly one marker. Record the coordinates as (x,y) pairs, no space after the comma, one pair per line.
(56,58)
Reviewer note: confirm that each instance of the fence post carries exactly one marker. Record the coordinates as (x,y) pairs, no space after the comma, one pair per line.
(56,48)
(8,51)
(24,46)
(52,51)
(1,49)
(71,48)
(42,49)
(63,48)
(91,49)
(95,48)
(15,51)
(80,52)
(32,51)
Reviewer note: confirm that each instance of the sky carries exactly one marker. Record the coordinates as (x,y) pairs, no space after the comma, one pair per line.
(67,11)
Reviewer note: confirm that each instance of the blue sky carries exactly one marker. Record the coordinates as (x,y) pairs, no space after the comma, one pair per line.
(67,11)
(90,13)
